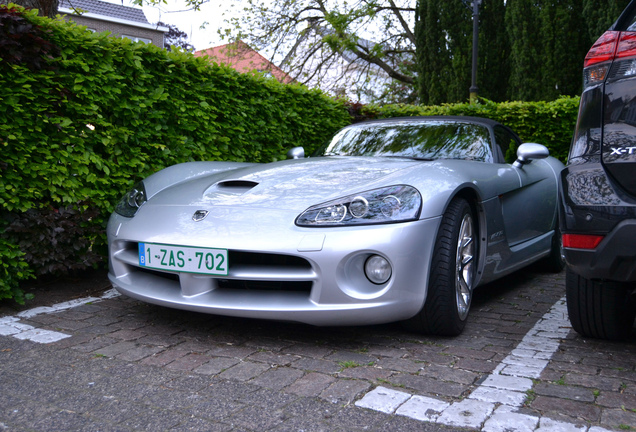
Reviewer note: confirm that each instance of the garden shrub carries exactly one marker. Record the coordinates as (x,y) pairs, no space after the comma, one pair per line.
(13,269)
(56,241)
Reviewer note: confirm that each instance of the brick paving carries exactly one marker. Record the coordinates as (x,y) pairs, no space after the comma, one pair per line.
(132,366)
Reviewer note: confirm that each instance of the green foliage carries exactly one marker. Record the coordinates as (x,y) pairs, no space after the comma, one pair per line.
(522,24)
(529,50)
(444,38)
(548,123)
(600,14)
(56,241)
(13,269)
(86,118)
(493,67)
(546,63)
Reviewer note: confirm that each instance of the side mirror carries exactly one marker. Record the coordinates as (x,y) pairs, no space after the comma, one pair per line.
(527,152)
(296,153)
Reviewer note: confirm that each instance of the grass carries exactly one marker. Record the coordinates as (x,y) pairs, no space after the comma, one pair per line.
(347,364)
(530,396)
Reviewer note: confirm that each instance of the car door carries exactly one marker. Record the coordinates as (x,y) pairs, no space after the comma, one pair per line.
(537,185)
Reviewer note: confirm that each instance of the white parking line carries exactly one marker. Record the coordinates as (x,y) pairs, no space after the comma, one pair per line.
(492,407)
(9,326)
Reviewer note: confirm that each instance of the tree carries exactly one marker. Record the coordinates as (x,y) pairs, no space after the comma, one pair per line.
(47,8)
(444,50)
(175,37)
(563,48)
(549,41)
(600,14)
(359,47)
(433,53)
(493,68)
(523,26)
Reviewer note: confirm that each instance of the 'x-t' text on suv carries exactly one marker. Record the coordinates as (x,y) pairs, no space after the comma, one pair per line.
(598,200)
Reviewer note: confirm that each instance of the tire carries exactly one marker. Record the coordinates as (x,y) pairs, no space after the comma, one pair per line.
(599,309)
(452,274)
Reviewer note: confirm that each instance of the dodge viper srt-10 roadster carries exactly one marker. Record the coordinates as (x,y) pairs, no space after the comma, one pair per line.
(392,220)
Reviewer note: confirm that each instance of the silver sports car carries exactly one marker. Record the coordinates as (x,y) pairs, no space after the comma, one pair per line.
(393,220)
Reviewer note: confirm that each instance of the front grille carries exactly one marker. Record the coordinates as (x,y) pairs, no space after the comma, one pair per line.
(160,274)
(254,285)
(269,260)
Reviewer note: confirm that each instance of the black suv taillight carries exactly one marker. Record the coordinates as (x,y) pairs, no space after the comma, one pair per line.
(612,45)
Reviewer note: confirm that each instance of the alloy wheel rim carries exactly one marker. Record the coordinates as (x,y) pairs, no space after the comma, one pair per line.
(464,270)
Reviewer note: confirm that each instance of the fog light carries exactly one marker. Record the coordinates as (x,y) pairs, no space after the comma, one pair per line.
(377,269)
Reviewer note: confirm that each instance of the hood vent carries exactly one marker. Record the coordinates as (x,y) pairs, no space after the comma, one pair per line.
(237,187)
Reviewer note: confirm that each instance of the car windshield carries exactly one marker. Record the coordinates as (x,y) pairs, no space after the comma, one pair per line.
(429,140)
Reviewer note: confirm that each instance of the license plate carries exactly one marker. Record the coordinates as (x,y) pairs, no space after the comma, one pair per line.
(184,258)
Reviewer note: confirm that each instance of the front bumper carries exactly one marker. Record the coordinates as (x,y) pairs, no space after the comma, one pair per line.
(277,271)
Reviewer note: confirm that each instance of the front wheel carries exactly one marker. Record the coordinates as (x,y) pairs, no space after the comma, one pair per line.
(599,309)
(452,274)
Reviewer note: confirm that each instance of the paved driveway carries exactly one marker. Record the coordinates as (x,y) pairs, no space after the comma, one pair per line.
(114,363)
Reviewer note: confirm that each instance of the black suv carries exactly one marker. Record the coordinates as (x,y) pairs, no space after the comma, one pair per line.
(598,200)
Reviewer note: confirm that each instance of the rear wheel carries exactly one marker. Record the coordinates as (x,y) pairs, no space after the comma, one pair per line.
(452,274)
(599,309)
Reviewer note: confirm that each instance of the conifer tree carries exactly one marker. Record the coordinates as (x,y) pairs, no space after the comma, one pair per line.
(493,67)
(523,26)
(444,32)
(562,50)
(599,15)
(432,53)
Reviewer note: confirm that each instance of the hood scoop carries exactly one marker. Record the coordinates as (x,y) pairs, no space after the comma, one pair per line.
(232,187)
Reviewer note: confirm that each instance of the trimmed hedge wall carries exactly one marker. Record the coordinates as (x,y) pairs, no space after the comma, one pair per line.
(84,116)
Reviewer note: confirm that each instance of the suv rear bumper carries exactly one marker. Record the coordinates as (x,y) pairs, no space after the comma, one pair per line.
(613,259)
(591,203)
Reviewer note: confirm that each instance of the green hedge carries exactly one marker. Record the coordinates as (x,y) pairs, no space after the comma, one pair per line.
(83,116)
(548,123)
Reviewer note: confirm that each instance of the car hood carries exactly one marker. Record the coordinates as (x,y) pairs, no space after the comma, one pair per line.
(292,184)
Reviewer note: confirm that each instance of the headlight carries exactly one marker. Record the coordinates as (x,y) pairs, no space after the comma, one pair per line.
(130,203)
(385,205)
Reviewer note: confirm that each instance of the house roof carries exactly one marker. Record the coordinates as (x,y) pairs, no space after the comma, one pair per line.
(243,58)
(112,10)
